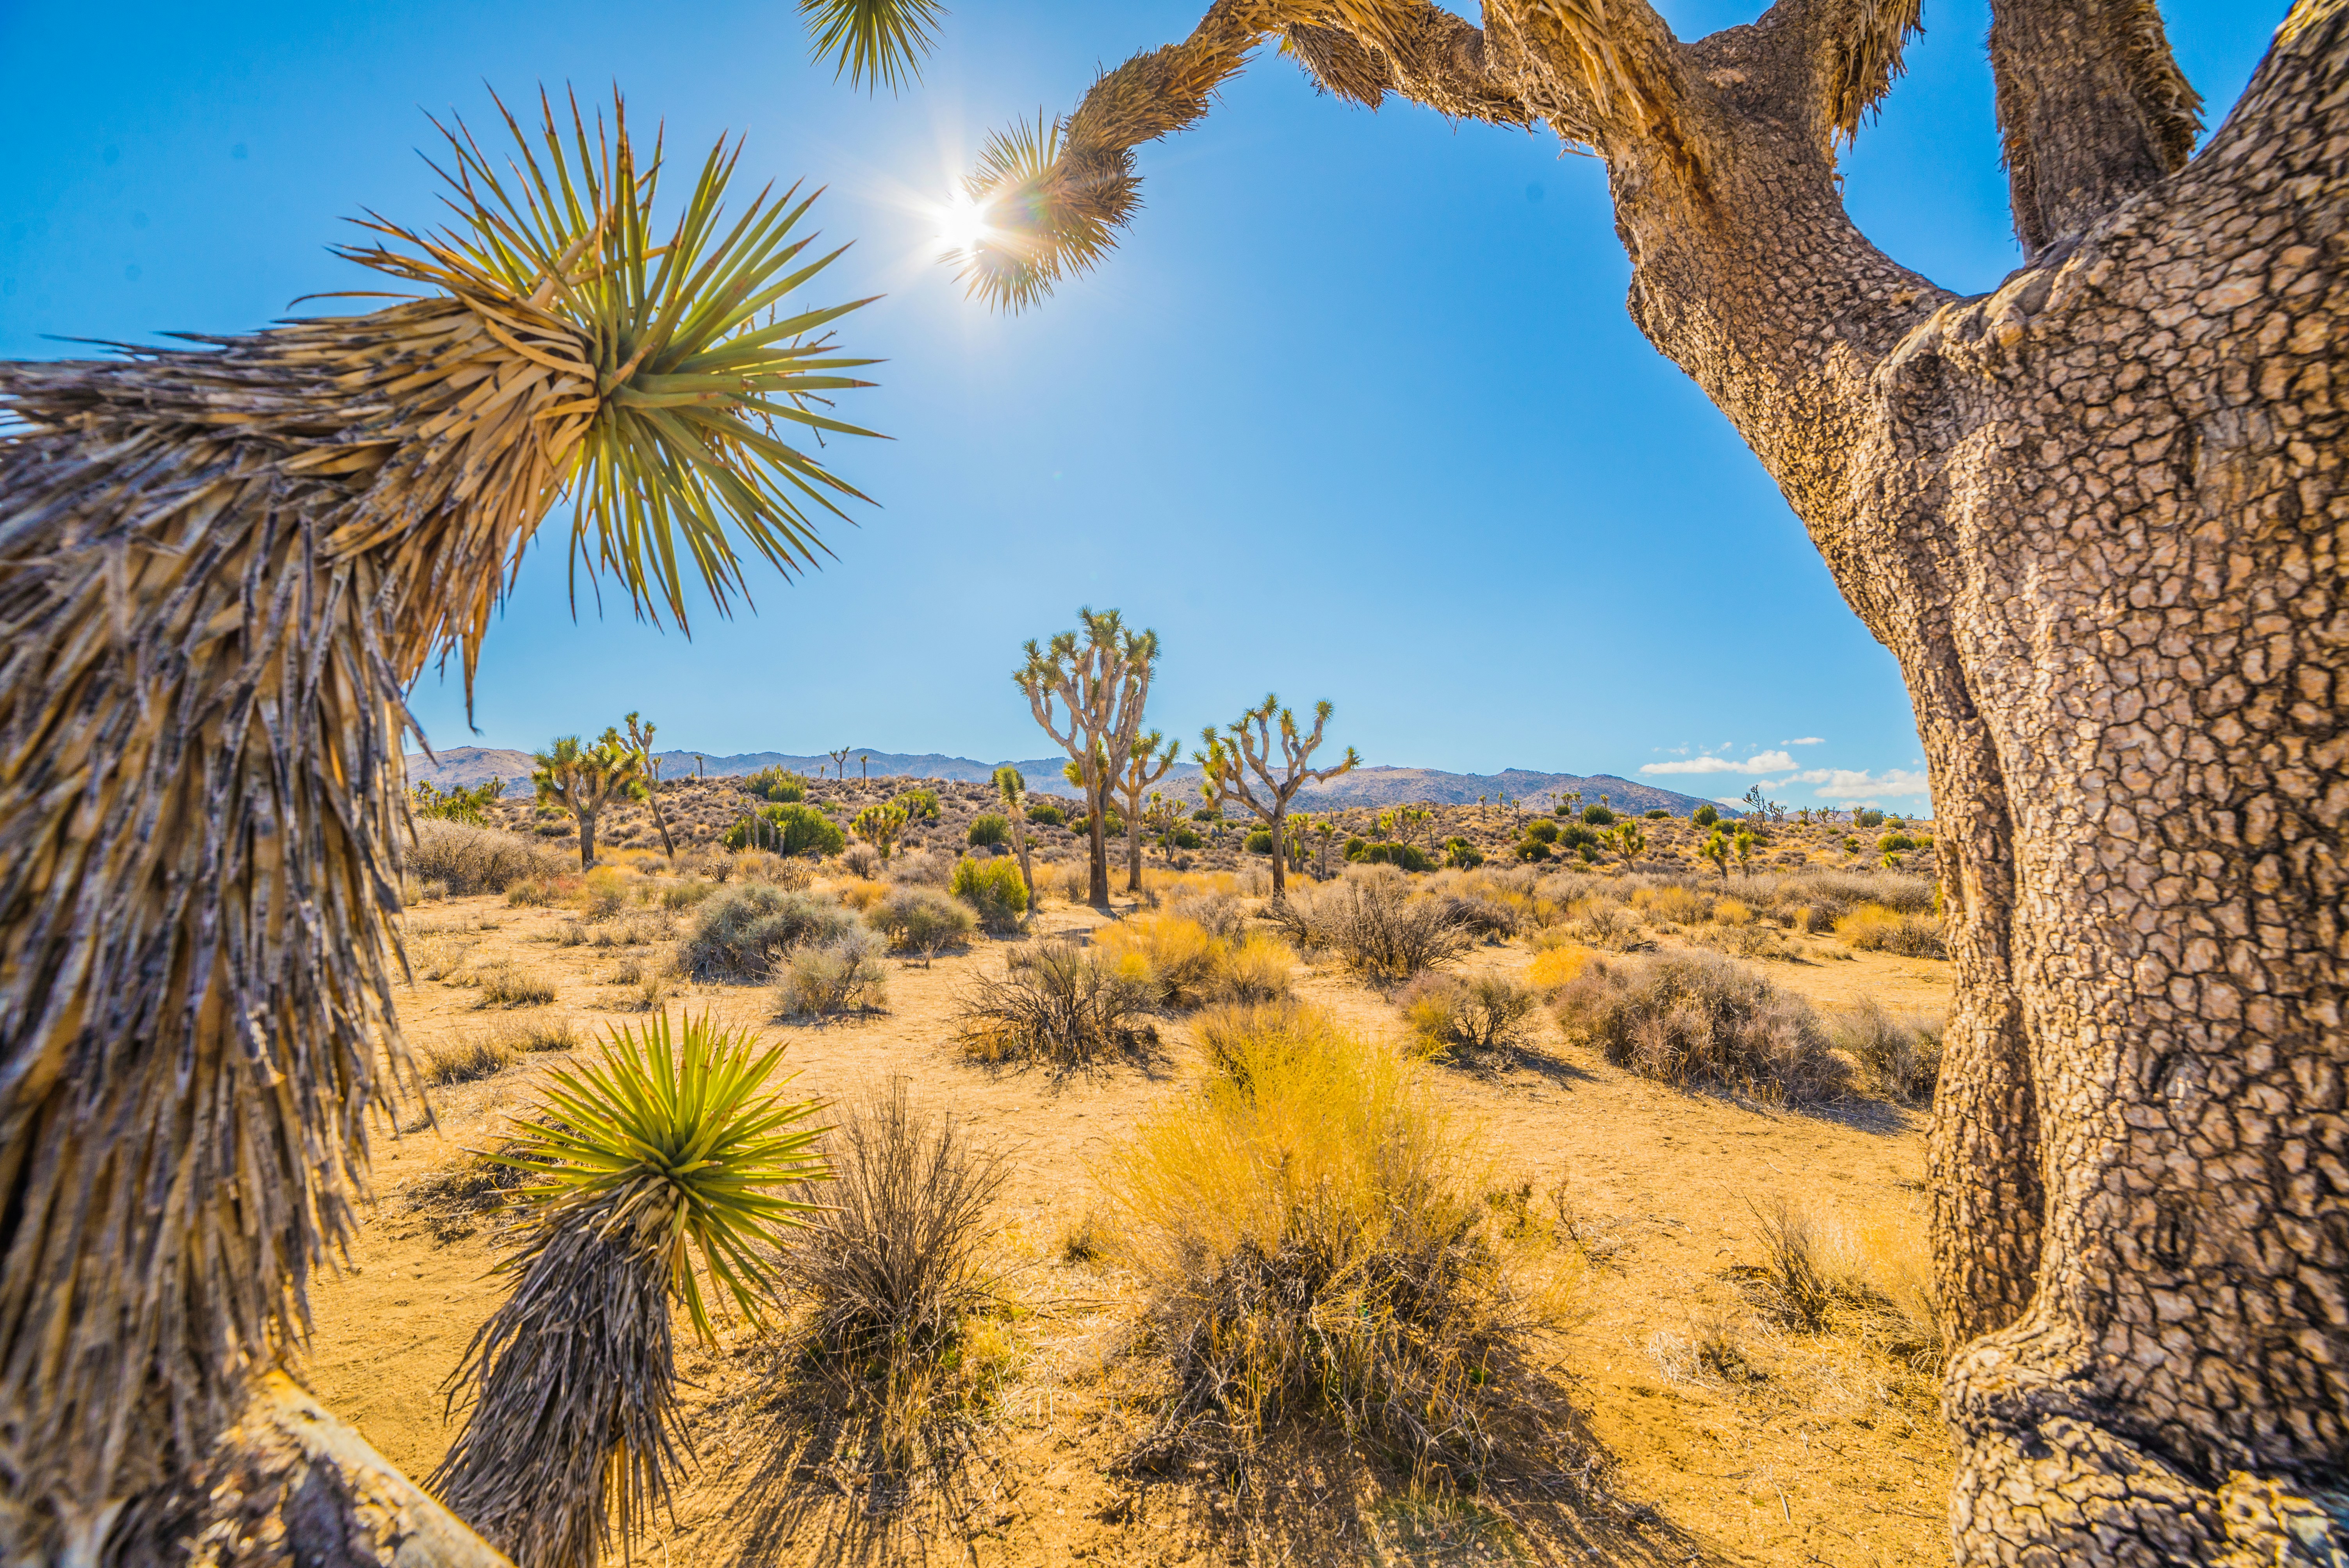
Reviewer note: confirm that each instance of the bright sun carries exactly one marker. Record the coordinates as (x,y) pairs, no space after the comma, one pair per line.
(962,223)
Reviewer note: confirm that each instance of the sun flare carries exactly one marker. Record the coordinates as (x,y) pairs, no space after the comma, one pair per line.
(962,223)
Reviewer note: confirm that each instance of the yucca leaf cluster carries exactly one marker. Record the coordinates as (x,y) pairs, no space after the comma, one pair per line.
(669,1152)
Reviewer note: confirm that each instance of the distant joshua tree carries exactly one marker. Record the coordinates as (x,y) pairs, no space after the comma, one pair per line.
(586,780)
(1247,746)
(1103,682)
(1152,754)
(640,738)
(1013,788)
(840,762)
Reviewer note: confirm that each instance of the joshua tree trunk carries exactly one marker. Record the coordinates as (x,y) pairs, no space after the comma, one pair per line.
(1097,891)
(2097,516)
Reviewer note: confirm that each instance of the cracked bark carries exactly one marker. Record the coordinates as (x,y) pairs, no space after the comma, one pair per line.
(2096,514)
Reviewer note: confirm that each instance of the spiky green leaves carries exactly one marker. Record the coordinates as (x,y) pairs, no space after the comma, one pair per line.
(676,1139)
(873,43)
(1048,211)
(693,365)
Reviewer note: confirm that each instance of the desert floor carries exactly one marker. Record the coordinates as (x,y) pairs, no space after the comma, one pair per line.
(1819,1449)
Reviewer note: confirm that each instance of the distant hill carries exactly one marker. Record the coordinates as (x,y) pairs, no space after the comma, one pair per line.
(472,765)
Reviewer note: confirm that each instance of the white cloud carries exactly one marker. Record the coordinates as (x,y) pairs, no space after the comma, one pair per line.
(1860,785)
(1807,740)
(1763,762)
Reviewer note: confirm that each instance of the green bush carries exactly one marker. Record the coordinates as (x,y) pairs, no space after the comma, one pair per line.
(1355,848)
(1543,830)
(1533,850)
(1186,838)
(1462,855)
(788,829)
(1206,814)
(1705,816)
(1658,815)
(742,930)
(1259,842)
(1574,835)
(1044,811)
(1410,857)
(919,805)
(994,890)
(1869,819)
(922,920)
(1893,843)
(1598,816)
(994,827)
(778,785)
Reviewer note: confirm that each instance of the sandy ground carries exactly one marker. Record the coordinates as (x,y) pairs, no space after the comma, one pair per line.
(1824,1450)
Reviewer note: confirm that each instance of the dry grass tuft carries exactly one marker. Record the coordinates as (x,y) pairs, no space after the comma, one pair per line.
(922,920)
(1480,1016)
(1898,1058)
(1911,934)
(1306,1232)
(504,985)
(742,930)
(475,1057)
(1690,1019)
(1375,926)
(1056,1004)
(824,980)
(891,1273)
(1189,965)
(466,860)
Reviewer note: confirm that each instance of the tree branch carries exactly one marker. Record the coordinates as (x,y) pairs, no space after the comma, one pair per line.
(2091,106)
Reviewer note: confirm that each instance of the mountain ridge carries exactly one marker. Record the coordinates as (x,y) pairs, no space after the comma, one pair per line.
(1380,786)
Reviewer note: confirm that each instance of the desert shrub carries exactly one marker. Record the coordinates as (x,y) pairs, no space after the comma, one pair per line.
(1606,920)
(1532,850)
(1405,857)
(1575,835)
(1217,913)
(503,985)
(1047,813)
(1658,815)
(1554,966)
(990,828)
(1870,817)
(683,895)
(1259,842)
(603,893)
(792,874)
(787,829)
(542,891)
(1705,816)
(892,1269)
(817,980)
(1874,928)
(1481,1013)
(1461,853)
(741,930)
(919,805)
(474,859)
(1542,830)
(1673,904)
(1899,1058)
(1487,918)
(1598,816)
(923,868)
(777,784)
(1055,1003)
(862,861)
(1256,968)
(463,1061)
(1310,1244)
(1687,1018)
(1816,1277)
(1374,926)
(1177,957)
(1731,911)
(994,890)
(922,920)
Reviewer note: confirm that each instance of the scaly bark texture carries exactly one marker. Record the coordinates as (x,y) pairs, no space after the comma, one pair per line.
(2098,514)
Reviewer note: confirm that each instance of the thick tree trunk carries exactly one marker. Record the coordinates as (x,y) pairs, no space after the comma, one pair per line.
(1279,823)
(2097,515)
(1097,887)
(586,840)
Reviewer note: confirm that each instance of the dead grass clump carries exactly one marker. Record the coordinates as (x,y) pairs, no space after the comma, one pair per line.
(453,1202)
(1058,1004)
(504,985)
(1673,904)
(686,895)
(1873,928)
(1308,1236)
(1482,1014)
(792,874)
(1259,967)
(1688,1019)
(1188,965)
(891,1273)
(860,860)
(603,893)
(1555,965)
(923,868)
(742,930)
(1373,925)
(1898,1058)
(475,1056)
(437,954)
(826,979)
(467,859)
(923,919)
(1217,913)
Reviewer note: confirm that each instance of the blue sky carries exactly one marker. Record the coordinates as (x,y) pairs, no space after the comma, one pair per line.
(1354,412)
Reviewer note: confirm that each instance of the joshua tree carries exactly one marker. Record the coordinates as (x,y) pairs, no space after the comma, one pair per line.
(223,566)
(1326,831)
(1152,756)
(659,1150)
(1744,844)
(1247,746)
(1103,682)
(1632,842)
(1014,790)
(879,826)
(640,740)
(585,780)
(1716,849)
(2093,513)
(864,766)
(840,762)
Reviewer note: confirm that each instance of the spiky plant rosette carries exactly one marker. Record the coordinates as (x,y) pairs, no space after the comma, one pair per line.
(878,43)
(221,567)
(667,1159)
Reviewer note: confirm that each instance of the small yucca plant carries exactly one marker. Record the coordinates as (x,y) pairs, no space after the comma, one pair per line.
(668,1153)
